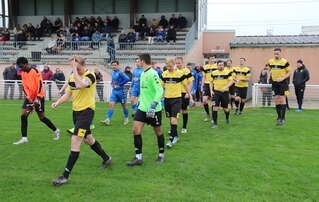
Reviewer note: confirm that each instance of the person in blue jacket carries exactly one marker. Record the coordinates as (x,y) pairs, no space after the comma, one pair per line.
(119,79)
(135,93)
(197,83)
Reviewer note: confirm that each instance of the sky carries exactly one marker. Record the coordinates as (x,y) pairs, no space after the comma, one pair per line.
(255,17)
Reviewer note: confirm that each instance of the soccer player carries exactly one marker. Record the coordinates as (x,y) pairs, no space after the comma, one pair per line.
(81,88)
(135,93)
(32,84)
(229,66)
(119,79)
(186,97)
(241,77)
(280,70)
(207,70)
(149,110)
(221,80)
(173,81)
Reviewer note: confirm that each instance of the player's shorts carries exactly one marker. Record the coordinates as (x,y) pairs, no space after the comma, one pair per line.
(241,92)
(37,108)
(185,102)
(155,122)
(206,90)
(173,107)
(232,89)
(280,88)
(118,96)
(221,99)
(82,121)
(135,92)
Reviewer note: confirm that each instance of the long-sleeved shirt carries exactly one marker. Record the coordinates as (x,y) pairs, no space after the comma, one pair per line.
(301,76)
(119,79)
(136,77)
(47,75)
(58,77)
(197,82)
(32,84)
(10,73)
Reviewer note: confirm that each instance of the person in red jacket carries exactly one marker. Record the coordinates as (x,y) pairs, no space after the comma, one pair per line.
(47,76)
(34,99)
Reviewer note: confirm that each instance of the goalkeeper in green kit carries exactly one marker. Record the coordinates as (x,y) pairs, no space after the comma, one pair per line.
(149,110)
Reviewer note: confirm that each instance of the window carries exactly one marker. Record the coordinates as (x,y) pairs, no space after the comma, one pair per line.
(4,13)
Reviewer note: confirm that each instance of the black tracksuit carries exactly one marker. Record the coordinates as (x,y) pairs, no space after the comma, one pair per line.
(300,77)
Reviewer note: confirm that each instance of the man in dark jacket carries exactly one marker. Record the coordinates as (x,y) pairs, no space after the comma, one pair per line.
(264,78)
(59,78)
(9,74)
(301,76)
(171,34)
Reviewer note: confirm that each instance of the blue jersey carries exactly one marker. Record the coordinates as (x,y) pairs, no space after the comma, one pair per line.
(119,79)
(136,77)
(159,71)
(197,82)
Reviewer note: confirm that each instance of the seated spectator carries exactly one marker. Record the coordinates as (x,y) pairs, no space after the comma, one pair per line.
(19,37)
(122,40)
(30,31)
(136,28)
(163,22)
(182,21)
(37,33)
(171,34)
(154,24)
(60,42)
(151,34)
(173,21)
(142,20)
(96,26)
(5,35)
(142,31)
(105,30)
(75,40)
(108,21)
(96,38)
(115,23)
(160,35)
(131,38)
(57,24)
(85,34)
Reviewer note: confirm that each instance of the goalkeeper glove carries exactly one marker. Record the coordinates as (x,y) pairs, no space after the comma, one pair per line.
(151,111)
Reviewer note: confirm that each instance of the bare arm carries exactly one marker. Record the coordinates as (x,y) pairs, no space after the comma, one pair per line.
(62,100)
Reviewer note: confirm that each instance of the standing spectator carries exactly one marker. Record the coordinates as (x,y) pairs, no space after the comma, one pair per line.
(47,76)
(300,77)
(115,23)
(9,75)
(142,20)
(173,21)
(99,84)
(171,34)
(96,38)
(182,21)
(122,40)
(59,78)
(264,78)
(111,48)
(163,22)
(19,78)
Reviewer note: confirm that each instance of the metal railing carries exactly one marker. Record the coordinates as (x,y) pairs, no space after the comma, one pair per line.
(191,36)
(12,89)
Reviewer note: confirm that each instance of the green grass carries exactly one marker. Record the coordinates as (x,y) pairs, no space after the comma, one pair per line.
(250,160)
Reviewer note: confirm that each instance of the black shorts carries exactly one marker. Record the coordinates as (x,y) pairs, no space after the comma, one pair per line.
(206,90)
(82,121)
(38,108)
(232,89)
(221,99)
(155,122)
(173,107)
(185,102)
(280,88)
(241,92)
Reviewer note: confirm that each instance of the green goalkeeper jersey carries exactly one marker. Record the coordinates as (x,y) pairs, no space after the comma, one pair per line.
(151,90)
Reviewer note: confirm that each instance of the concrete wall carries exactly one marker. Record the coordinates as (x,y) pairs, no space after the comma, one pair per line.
(36,19)
(189,16)
(195,55)
(258,57)
(217,41)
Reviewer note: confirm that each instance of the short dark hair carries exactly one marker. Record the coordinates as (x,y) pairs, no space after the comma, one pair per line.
(300,61)
(243,58)
(220,61)
(277,49)
(115,61)
(22,61)
(146,58)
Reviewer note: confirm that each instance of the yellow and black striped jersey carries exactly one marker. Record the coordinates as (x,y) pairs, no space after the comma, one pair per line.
(241,73)
(188,77)
(83,98)
(207,70)
(278,68)
(220,79)
(173,83)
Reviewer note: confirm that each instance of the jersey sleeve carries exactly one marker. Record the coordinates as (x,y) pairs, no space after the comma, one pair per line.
(124,80)
(157,87)
(248,73)
(287,67)
(90,79)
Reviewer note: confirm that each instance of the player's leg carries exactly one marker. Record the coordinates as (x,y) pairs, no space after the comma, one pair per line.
(138,144)
(24,125)
(206,95)
(109,113)
(243,96)
(160,143)
(76,141)
(134,104)
(215,109)
(185,104)
(237,100)
(224,105)
(97,148)
(125,113)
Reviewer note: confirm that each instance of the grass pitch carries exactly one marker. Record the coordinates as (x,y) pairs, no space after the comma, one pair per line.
(249,160)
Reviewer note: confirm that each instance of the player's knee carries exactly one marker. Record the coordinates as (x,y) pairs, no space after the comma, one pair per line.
(89,140)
